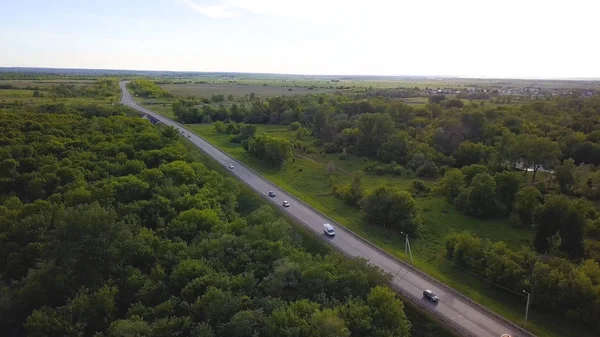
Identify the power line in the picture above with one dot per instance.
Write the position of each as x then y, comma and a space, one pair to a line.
484, 279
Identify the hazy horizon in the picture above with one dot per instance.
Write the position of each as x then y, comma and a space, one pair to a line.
41, 69
462, 38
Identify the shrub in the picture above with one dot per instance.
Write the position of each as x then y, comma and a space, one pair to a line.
429, 169
420, 187
331, 148
526, 202
245, 131
301, 133
451, 185
276, 151
398, 170
479, 199
471, 171
388, 207
381, 169
310, 150
220, 127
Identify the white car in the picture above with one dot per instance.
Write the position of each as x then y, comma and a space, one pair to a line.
285, 203
328, 229
231, 166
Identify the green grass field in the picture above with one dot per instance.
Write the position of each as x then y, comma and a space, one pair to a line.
21, 96
208, 89
307, 179
305, 82
26, 96
44, 83
416, 100
161, 107
381, 83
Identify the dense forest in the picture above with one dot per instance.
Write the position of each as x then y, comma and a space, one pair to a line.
535, 163
108, 227
146, 88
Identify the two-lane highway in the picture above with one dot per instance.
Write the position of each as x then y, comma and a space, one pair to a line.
467, 318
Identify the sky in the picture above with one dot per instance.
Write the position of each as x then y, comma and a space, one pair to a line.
484, 38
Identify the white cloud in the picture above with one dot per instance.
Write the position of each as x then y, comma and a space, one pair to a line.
212, 11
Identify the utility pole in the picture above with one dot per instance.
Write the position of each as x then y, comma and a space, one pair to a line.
407, 248
532, 285
527, 308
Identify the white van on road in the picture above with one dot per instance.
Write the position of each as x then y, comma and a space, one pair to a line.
328, 229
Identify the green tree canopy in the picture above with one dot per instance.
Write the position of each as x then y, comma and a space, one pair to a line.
479, 199
559, 215
451, 184
388, 207
276, 151
527, 201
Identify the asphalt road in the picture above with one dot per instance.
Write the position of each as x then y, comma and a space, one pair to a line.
470, 319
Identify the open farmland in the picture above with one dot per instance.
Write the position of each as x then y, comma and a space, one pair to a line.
298, 82
44, 83
29, 93
208, 89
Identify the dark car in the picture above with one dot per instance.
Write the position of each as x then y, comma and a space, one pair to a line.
431, 296
271, 194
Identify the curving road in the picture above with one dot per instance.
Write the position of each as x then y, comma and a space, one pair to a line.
459, 313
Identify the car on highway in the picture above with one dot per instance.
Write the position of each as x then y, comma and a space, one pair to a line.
431, 296
474, 320
285, 203
189, 136
328, 229
231, 166
271, 194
